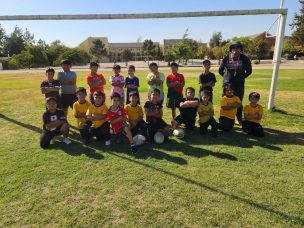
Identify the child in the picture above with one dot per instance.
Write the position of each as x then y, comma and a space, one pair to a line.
67, 79
154, 114
175, 83
229, 105
188, 109
132, 83
156, 81
206, 112
95, 81
50, 87
207, 79
54, 123
135, 115
252, 116
117, 81
97, 113
80, 108
118, 121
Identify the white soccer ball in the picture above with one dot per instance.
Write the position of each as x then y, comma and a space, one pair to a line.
159, 137
139, 140
179, 133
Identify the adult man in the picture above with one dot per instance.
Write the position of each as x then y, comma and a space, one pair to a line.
235, 68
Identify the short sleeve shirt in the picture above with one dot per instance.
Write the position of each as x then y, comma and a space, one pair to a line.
206, 78
189, 112
155, 86
103, 109
175, 78
225, 101
249, 110
134, 113
95, 78
67, 89
204, 108
51, 84
114, 114
81, 108
117, 89
49, 117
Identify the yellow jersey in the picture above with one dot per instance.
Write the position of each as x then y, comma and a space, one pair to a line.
204, 108
93, 110
225, 101
79, 108
249, 110
134, 113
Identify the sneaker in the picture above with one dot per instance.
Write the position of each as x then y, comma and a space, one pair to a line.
52, 141
108, 142
66, 141
245, 133
133, 149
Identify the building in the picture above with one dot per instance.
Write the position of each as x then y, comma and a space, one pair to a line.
270, 39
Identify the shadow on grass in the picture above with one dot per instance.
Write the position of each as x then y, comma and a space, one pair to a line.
260, 206
283, 112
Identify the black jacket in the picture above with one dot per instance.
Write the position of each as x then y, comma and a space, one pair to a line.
235, 72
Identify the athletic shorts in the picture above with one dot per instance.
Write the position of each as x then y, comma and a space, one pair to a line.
67, 100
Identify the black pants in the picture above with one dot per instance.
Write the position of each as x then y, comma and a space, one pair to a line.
47, 136
253, 128
143, 126
154, 126
204, 126
101, 133
238, 91
225, 124
188, 121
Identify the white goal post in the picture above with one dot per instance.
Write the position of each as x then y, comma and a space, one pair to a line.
279, 36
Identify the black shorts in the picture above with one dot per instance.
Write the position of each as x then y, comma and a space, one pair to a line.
159, 124
174, 101
188, 121
67, 100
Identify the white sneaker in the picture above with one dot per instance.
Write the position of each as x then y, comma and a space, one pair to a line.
66, 141
52, 141
245, 133
108, 142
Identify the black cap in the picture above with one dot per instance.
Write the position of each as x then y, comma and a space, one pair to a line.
236, 44
66, 61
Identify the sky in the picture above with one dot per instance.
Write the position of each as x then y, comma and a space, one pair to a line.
74, 32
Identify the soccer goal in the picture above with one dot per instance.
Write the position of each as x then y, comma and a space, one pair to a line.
279, 36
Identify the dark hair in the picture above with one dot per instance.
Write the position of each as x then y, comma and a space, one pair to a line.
254, 95
50, 99
132, 67
66, 61
156, 91
81, 90
115, 95
99, 94
116, 67
134, 93
153, 64
206, 61
94, 64
173, 64
227, 86
50, 70
190, 88
206, 91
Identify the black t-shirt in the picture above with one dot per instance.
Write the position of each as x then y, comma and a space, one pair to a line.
51, 84
152, 107
49, 117
206, 78
189, 112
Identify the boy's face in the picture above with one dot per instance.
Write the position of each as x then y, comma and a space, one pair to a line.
174, 69
81, 96
98, 100
94, 69
134, 100
189, 93
154, 69
236, 51
50, 75
205, 97
116, 72
51, 105
131, 72
66, 67
154, 97
253, 100
115, 102
229, 92
207, 66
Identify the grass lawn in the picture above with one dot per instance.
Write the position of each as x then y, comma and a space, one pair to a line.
234, 180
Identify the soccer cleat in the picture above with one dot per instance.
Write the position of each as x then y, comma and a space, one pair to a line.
133, 149
66, 141
108, 142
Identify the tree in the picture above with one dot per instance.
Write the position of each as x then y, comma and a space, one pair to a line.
298, 24
218, 52
14, 43
54, 51
185, 49
22, 60
289, 47
148, 49
40, 58
28, 38
260, 48
204, 52
75, 55
159, 54
216, 40
169, 57
98, 50
126, 56
2, 38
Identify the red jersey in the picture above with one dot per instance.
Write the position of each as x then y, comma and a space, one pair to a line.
95, 78
114, 114
176, 78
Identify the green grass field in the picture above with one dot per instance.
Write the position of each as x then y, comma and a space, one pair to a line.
234, 180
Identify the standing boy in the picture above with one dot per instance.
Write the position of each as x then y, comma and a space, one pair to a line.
132, 83
95, 80
51, 87
156, 81
67, 79
207, 79
117, 81
175, 83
